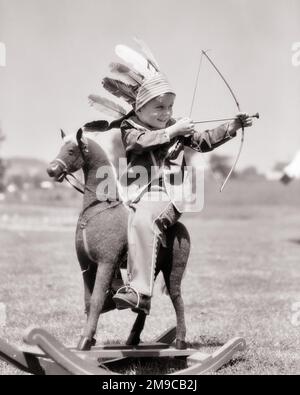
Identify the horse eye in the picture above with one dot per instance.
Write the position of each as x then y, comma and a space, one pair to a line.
71, 151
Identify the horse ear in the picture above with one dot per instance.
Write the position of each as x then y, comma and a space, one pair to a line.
82, 141
62, 133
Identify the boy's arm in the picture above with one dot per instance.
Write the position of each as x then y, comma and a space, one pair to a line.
210, 139
140, 140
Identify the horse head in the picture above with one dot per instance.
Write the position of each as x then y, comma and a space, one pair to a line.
71, 156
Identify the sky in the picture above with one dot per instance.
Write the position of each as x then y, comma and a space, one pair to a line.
57, 52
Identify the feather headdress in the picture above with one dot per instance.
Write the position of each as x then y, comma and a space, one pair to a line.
137, 82
140, 78
133, 74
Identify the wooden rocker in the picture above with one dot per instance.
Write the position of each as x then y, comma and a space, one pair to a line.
45, 355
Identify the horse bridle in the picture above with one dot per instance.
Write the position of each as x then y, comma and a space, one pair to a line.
66, 173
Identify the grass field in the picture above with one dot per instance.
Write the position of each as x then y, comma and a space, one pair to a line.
243, 277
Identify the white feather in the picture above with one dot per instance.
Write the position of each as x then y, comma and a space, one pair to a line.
124, 77
106, 106
147, 52
136, 60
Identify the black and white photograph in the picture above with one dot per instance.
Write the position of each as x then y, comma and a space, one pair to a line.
149, 190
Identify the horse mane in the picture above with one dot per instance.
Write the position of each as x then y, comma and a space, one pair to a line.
95, 149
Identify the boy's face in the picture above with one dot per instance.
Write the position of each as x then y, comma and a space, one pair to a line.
157, 112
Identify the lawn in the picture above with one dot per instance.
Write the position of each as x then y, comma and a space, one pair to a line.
242, 279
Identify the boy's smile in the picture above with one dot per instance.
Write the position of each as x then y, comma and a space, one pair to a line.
157, 112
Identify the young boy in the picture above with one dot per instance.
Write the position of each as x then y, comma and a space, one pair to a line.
153, 139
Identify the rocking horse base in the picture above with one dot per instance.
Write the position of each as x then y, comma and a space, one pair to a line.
45, 355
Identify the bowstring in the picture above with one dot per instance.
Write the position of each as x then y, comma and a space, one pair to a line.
205, 162
238, 106
196, 85
178, 143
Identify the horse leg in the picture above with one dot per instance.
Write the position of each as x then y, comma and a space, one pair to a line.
89, 276
174, 288
178, 252
138, 326
102, 282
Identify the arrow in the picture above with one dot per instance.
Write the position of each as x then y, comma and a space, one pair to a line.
225, 119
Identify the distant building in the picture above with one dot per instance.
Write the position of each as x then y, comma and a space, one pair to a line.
292, 170
2, 54
46, 185
2, 165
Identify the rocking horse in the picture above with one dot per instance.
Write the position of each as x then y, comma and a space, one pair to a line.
101, 240
101, 244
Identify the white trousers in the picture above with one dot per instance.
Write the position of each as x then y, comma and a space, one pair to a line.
148, 220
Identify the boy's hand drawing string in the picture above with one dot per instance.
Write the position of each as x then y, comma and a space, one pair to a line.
236, 102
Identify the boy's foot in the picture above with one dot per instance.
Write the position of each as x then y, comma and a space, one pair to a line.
132, 300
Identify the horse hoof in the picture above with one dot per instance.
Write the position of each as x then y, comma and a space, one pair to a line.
180, 345
85, 343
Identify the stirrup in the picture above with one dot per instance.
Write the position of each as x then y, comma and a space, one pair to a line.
127, 287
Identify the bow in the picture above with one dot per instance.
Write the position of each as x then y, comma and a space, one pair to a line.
236, 102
